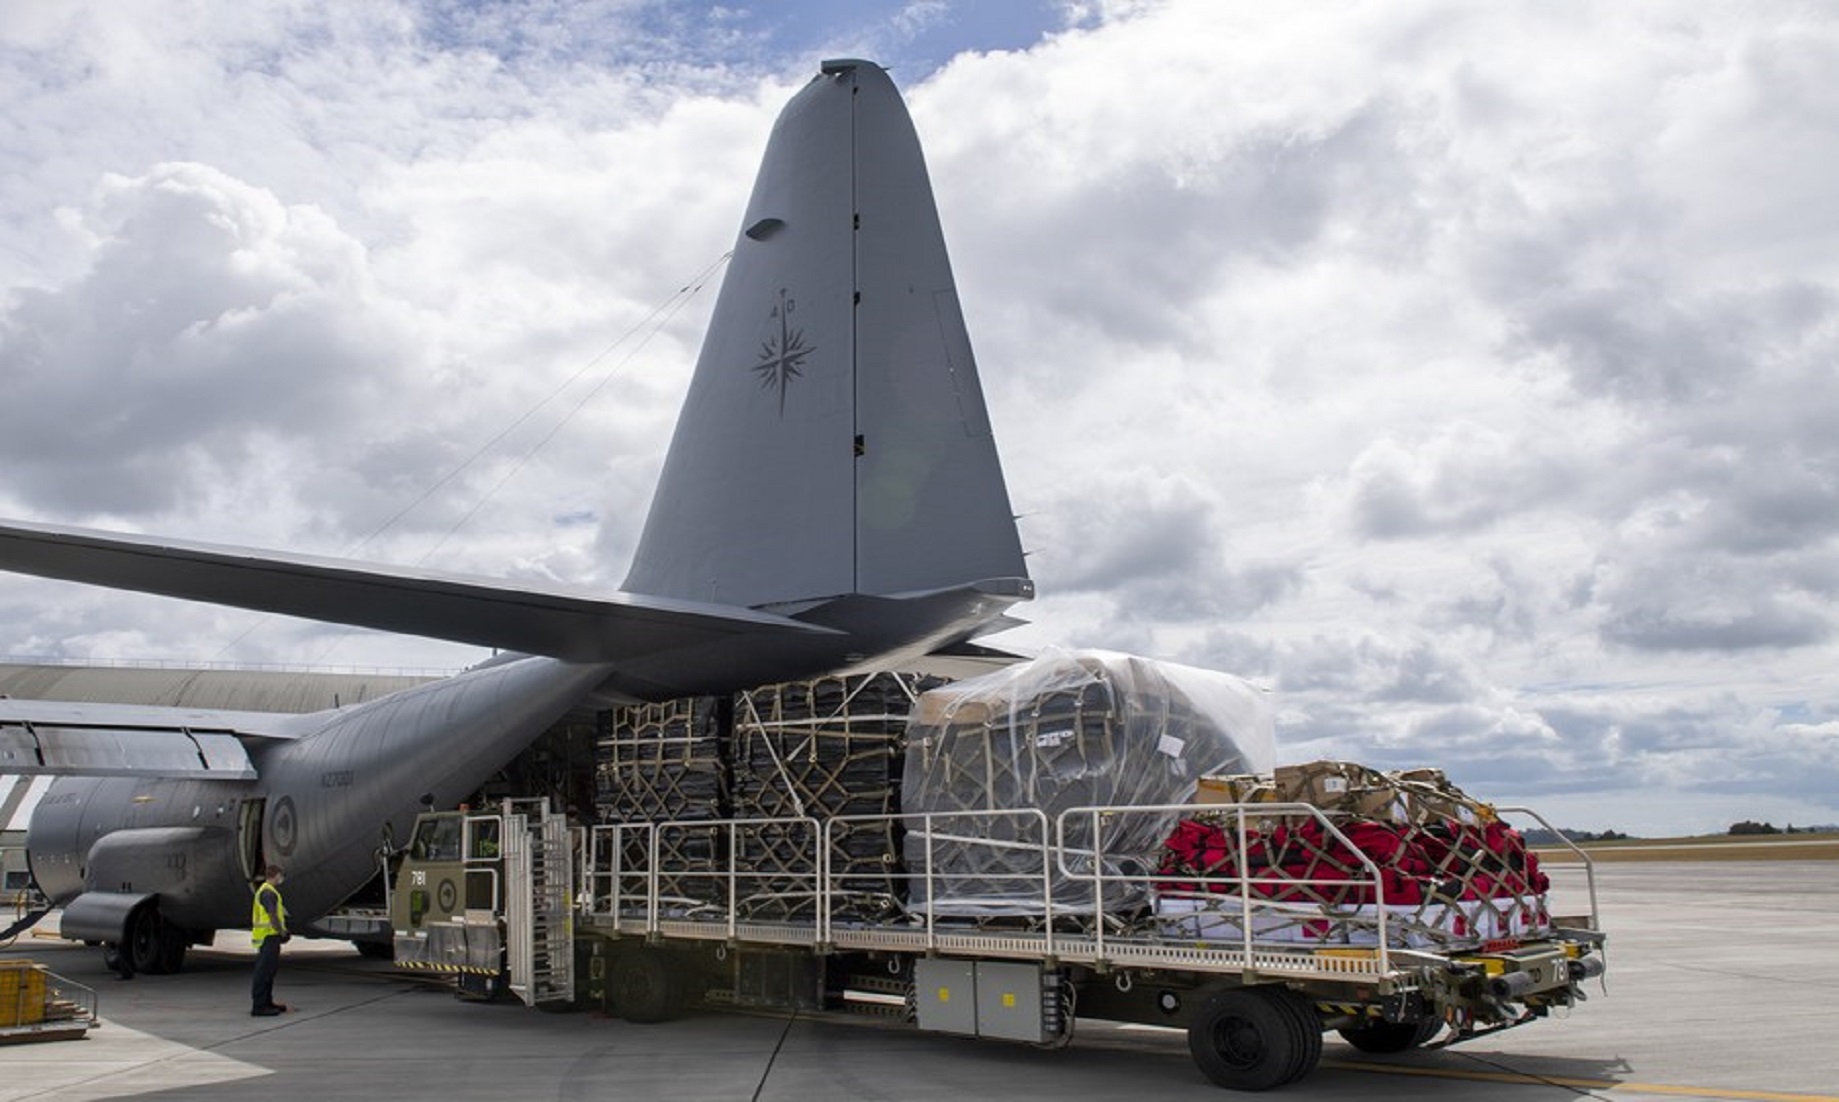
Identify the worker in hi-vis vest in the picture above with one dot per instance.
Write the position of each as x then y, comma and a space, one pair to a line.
268, 929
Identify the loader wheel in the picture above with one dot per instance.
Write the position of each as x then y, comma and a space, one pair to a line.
475, 987
642, 986
1308, 1025
1252, 1038
1383, 1038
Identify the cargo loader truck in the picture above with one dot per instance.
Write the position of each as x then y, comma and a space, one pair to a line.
1271, 908
1238, 970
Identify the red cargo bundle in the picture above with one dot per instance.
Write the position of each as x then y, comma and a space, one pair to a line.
1437, 876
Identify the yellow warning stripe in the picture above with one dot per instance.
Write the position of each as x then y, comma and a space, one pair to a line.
435, 966
1581, 1084
1348, 954
1359, 1010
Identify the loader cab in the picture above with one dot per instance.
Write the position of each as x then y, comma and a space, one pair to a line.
452, 871
484, 898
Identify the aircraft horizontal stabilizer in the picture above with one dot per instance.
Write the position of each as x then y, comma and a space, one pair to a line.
571, 625
124, 740
60, 713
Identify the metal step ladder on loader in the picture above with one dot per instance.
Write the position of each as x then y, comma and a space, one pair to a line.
539, 880
488, 900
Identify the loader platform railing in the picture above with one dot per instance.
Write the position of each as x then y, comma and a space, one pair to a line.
1009, 883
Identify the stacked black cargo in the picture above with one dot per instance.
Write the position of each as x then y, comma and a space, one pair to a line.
829, 750
996, 762
667, 763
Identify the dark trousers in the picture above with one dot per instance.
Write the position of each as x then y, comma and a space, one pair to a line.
121, 958
267, 963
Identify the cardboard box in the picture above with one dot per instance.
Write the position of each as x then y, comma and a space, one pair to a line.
22, 993
1242, 789
1348, 788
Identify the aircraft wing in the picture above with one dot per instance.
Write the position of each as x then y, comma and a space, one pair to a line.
124, 740
573, 625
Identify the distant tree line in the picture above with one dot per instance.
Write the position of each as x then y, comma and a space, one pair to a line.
1543, 837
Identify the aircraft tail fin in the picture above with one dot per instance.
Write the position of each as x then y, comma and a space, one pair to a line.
834, 440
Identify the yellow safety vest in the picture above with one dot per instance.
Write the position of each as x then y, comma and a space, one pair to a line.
261, 928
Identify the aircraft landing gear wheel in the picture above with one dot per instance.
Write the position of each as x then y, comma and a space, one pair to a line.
1381, 1038
144, 940
172, 948
642, 986
1254, 1038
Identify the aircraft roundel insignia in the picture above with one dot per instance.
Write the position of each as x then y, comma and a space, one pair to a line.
281, 826
447, 895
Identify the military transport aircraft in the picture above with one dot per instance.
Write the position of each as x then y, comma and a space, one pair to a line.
831, 499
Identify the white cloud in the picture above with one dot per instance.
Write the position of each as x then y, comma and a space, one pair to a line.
212, 322
1463, 373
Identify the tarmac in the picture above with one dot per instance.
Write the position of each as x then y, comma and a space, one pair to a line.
1718, 982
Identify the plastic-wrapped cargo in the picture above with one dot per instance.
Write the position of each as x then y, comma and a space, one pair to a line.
1069, 729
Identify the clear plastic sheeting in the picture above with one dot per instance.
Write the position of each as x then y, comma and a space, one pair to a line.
1070, 729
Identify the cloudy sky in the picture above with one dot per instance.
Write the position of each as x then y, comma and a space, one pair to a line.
1463, 373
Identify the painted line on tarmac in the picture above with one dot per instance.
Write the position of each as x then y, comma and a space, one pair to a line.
1581, 1084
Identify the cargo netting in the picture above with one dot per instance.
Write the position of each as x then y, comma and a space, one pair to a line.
1443, 866
827, 749
736, 778
1071, 729
667, 762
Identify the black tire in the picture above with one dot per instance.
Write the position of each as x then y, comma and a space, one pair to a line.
1308, 1026
1248, 1039
144, 940
473, 987
173, 943
376, 950
642, 986
1384, 1038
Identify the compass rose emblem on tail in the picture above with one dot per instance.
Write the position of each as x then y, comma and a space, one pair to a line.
782, 354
